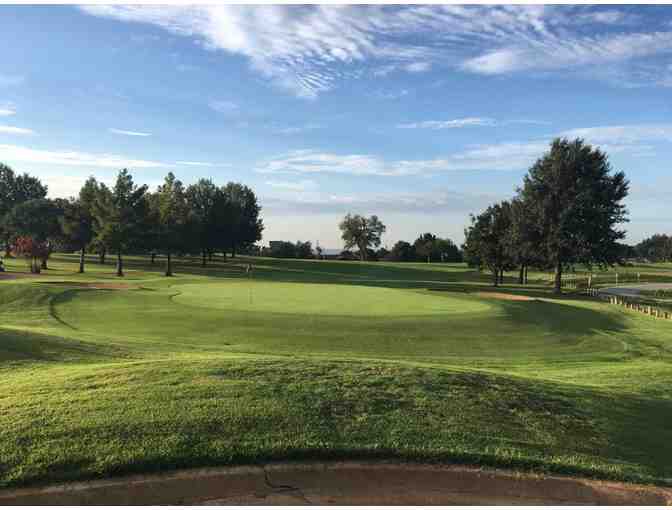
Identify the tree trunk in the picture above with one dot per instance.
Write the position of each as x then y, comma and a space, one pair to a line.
44, 263
210, 255
558, 278
525, 274
120, 264
169, 266
101, 256
8, 248
501, 276
81, 260
233, 251
153, 258
495, 277
203, 260
521, 275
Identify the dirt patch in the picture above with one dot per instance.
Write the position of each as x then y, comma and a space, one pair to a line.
95, 285
342, 483
504, 296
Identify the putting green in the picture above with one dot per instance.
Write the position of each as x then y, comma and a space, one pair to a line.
324, 299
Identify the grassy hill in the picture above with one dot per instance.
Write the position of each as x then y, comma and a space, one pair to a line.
320, 360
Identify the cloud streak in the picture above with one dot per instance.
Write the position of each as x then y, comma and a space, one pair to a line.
73, 158
128, 133
505, 156
13, 130
449, 124
309, 49
7, 111
635, 140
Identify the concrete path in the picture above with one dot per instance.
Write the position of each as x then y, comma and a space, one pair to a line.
633, 290
341, 483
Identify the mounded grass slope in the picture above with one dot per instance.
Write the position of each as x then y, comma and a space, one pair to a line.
322, 360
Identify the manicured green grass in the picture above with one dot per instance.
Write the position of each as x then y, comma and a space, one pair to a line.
320, 360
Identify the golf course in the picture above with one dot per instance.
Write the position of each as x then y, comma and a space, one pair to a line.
302, 360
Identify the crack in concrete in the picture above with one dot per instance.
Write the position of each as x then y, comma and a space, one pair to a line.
284, 488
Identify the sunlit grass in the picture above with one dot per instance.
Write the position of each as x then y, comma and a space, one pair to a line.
318, 360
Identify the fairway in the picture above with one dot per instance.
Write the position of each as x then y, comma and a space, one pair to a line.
323, 360
322, 299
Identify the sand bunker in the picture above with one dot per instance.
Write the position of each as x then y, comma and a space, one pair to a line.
504, 296
341, 483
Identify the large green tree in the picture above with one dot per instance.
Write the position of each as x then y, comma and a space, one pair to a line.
14, 190
169, 207
363, 233
577, 204
244, 223
207, 208
486, 240
120, 214
523, 238
78, 221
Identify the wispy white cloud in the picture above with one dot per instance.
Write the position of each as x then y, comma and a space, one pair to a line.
7, 110
430, 202
295, 130
74, 158
607, 17
467, 122
390, 94
310, 161
635, 140
201, 163
556, 52
309, 49
504, 156
449, 124
627, 134
303, 185
13, 130
418, 67
128, 133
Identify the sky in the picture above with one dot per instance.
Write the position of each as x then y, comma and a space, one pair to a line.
421, 114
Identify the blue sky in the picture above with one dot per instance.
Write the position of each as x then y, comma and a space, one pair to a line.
420, 114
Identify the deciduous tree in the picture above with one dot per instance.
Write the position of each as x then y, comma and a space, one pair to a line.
363, 233
15, 189
577, 203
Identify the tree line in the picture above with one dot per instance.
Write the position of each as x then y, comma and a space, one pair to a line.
426, 248
657, 248
565, 213
365, 234
199, 219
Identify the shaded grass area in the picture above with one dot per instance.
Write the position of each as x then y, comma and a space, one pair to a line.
100, 420
323, 360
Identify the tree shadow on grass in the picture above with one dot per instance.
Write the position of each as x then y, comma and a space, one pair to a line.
25, 346
560, 318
